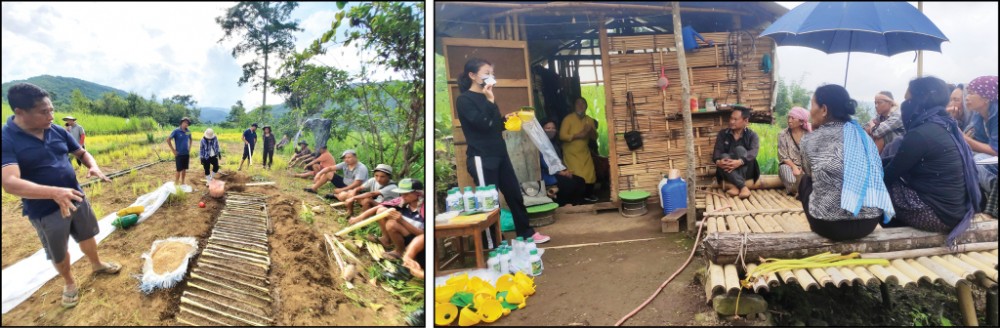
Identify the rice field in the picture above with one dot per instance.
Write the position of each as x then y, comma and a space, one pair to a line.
100, 124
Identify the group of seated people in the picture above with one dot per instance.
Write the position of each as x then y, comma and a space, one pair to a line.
912, 165
574, 140
403, 230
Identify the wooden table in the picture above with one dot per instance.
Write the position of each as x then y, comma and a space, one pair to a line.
468, 229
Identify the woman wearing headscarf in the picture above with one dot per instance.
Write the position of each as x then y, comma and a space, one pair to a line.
981, 97
789, 149
842, 164
932, 179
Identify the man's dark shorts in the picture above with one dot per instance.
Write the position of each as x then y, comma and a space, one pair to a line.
247, 150
182, 162
54, 230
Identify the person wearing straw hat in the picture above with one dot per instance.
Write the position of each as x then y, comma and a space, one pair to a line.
377, 189
408, 220
302, 154
76, 131
210, 154
49, 190
181, 137
249, 141
355, 173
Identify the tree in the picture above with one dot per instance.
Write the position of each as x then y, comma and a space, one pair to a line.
265, 31
79, 102
863, 113
395, 32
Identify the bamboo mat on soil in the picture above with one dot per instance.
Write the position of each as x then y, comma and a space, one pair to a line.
768, 211
229, 284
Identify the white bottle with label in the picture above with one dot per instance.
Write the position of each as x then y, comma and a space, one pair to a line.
470, 200
481, 198
536, 263
494, 262
496, 196
454, 200
504, 261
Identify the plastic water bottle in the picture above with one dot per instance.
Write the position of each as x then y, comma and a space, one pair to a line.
536, 263
494, 262
470, 200
504, 262
518, 254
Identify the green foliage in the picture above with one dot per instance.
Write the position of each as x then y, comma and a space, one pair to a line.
264, 30
595, 109
306, 214
178, 197
767, 157
863, 113
790, 95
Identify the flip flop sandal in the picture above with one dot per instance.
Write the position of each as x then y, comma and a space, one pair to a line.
309, 190
70, 300
110, 268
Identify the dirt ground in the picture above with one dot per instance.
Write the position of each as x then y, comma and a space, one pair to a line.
592, 285
305, 291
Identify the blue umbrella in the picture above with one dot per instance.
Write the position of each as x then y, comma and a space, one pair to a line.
884, 28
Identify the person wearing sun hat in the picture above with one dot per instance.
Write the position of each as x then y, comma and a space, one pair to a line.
302, 154
981, 98
377, 189
210, 154
76, 131
408, 220
180, 142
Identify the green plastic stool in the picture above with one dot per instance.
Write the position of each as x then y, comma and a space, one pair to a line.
542, 215
633, 203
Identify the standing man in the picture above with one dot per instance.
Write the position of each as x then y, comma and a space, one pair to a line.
179, 142
249, 141
736, 154
76, 131
34, 169
576, 131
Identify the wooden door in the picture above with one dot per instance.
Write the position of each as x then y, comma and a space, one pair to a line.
513, 90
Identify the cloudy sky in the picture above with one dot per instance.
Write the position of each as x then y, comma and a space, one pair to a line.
972, 52
161, 48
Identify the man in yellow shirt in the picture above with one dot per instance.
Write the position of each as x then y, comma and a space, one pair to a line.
576, 130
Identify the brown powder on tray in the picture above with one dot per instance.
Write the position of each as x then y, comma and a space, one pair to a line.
169, 256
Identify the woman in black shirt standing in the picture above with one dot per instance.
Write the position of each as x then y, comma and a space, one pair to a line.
483, 127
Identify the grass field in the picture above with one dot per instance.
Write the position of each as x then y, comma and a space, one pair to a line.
100, 124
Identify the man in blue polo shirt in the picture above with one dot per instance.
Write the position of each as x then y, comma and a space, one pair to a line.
181, 137
35, 168
249, 141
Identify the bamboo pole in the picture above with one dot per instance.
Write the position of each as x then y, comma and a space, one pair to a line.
688, 135
185, 300
913, 253
852, 278
732, 279
865, 275
364, 223
966, 304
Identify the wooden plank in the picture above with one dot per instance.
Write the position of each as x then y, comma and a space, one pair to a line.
609, 111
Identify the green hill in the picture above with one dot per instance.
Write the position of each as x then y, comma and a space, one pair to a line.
60, 88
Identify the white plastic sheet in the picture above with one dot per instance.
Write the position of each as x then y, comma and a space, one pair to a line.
152, 280
541, 141
24, 278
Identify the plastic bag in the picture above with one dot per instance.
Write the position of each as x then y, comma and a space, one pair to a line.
152, 280
541, 141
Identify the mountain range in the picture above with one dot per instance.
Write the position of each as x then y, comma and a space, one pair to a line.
60, 88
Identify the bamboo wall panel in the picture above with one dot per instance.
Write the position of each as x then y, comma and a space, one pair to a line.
634, 65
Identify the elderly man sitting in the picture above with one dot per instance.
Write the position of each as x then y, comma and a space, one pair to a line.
374, 191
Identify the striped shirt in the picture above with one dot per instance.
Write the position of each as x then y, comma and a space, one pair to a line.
823, 159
